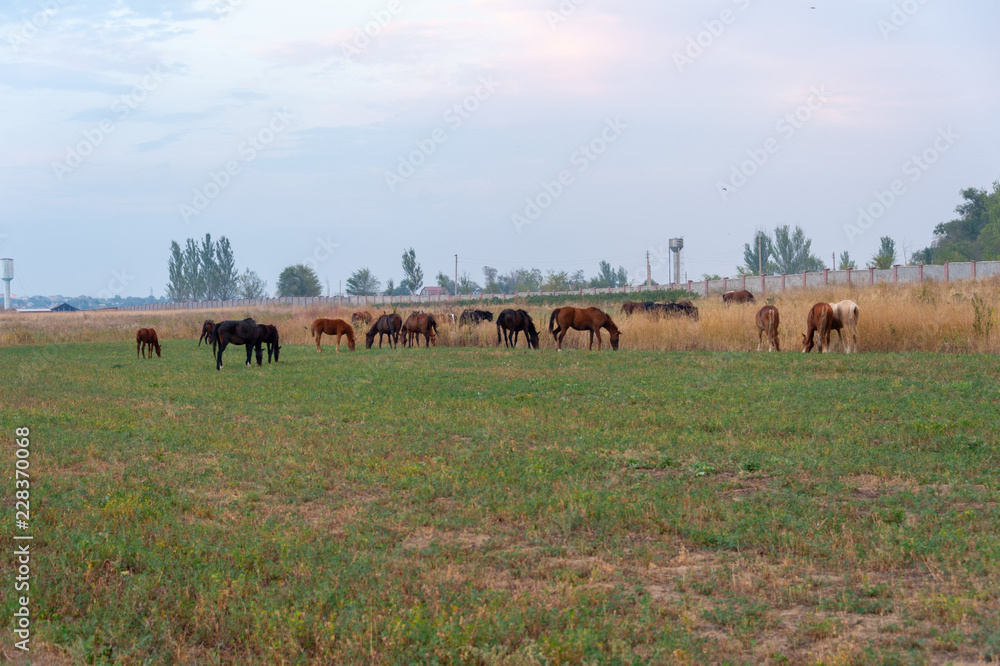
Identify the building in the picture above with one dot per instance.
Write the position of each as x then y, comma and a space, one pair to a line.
65, 307
434, 291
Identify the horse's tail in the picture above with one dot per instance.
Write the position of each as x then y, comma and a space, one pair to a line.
498, 330
552, 319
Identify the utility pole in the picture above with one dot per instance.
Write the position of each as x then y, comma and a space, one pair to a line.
456, 276
760, 259
833, 260
649, 273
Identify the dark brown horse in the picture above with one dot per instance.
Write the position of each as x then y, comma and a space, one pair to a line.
513, 322
820, 320
582, 319
472, 317
674, 310
767, 323
146, 339
361, 317
417, 324
206, 331
336, 327
741, 296
233, 332
630, 308
387, 324
269, 337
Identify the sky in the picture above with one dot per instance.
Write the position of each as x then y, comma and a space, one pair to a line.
550, 134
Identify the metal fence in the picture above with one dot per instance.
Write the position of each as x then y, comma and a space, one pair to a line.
953, 271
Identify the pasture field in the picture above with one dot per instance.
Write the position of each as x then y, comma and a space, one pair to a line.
489, 506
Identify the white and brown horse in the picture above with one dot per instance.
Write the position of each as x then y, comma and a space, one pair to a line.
845, 316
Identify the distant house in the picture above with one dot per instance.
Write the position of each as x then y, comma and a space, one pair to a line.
434, 291
65, 307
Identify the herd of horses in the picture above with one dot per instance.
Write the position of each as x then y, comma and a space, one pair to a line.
823, 319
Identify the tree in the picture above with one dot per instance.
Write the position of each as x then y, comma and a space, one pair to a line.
446, 283
753, 261
608, 277
299, 280
791, 251
846, 262
249, 285
521, 279
466, 285
975, 234
208, 269
413, 275
177, 288
193, 276
492, 286
711, 276
225, 278
363, 283
556, 281
886, 255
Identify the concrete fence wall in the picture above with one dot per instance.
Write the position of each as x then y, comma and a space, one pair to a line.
758, 284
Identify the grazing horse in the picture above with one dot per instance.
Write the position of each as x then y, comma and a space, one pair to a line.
629, 308
742, 296
512, 322
331, 327
767, 322
475, 317
417, 324
845, 315
206, 331
145, 339
582, 319
675, 309
387, 324
269, 336
444, 317
820, 320
361, 317
233, 332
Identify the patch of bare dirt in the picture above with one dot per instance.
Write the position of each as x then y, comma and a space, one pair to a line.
465, 539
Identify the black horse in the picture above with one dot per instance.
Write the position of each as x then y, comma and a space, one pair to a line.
233, 332
475, 317
387, 324
675, 309
269, 336
512, 322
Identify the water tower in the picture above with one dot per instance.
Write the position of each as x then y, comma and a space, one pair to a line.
676, 245
7, 276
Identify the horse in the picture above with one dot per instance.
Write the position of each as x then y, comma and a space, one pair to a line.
269, 336
233, 332
206, 331
387, 324
361, 317
512, 322
145, 339
675, 309
845, 315
444, 316
767, 322
417, 324
582, 319
742, 296
629, 308
336, 327
472, 317
820, 320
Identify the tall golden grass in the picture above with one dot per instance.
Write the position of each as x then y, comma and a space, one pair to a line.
932, 317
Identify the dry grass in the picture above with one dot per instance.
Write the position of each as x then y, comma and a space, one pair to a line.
933, 317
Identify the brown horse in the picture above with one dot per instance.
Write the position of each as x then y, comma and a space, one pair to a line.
629, 308
361, 317
206, 331
387, 324
336, 327
820, 320
582, 319
417, 324
146, 339
742, 296
767, 322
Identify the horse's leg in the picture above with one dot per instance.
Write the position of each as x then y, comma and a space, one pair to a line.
598, 333
218, 358
559, 340
591, 346
338, 342
319, 334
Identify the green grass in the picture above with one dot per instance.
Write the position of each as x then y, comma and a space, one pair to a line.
490, 506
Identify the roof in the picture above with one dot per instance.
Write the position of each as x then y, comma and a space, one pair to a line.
65, 307
34, 310
433, 291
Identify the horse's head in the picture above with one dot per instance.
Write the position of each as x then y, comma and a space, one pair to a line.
807, 343
156, 346
613, 335
369, 339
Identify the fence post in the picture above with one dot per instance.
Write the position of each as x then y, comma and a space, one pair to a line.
848, 276
725, 284
895, 274
706, 287
946, 270
743, 283
871, 275
805, 279
689, 285
782, 282
826, 276
762, 283
973, 269
920, 272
